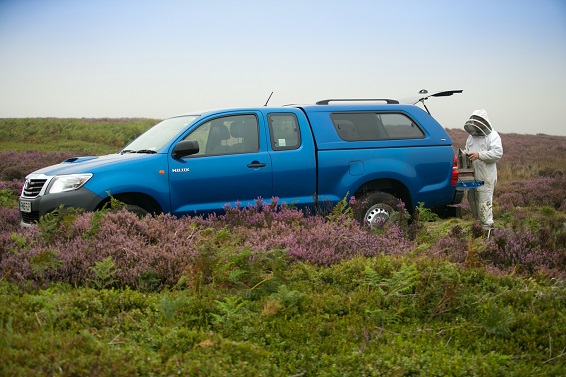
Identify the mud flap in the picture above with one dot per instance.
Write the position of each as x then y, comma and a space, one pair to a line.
453, 210
447, 211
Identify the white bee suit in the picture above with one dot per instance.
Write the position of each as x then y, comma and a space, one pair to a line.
487, 142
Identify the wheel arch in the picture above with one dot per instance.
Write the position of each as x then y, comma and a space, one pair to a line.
142, 200
390, 186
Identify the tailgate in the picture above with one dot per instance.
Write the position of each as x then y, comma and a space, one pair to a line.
469, 184
466, 179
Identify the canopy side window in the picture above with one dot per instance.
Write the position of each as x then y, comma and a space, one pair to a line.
370, 126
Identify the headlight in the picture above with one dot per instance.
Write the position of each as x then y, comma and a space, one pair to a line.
69, 182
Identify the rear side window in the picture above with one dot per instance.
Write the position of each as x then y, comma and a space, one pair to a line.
284, 131
375, 126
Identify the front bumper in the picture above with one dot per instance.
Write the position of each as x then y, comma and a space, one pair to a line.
31, 209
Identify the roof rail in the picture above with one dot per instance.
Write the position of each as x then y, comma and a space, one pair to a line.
327, 101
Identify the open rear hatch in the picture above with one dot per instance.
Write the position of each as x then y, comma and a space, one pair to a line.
425, 94
466, 178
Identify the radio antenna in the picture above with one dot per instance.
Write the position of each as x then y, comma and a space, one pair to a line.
268, 99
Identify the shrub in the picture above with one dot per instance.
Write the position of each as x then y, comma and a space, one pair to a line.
453, 247
310, 238
156, 251
524, 252
137, 247
534, 192
16, 165
9, 220
11, 189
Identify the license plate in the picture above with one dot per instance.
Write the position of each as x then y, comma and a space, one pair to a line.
25, 206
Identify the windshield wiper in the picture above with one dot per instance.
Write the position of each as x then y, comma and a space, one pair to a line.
148, 151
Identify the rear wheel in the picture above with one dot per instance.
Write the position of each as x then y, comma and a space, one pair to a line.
377, 208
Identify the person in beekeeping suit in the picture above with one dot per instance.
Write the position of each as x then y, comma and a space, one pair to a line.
484, 149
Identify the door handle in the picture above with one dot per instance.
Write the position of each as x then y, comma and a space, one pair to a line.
256, 164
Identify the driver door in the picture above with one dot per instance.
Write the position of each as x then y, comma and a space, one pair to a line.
232, 166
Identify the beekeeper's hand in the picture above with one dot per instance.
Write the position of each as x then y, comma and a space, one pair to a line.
474, 156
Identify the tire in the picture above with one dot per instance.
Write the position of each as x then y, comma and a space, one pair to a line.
377, 208
137, 210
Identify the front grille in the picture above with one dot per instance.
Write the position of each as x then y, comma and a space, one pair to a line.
30, 217
33, 187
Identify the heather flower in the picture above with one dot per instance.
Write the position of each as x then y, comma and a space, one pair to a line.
522, 249
536, 192
312, 239
453, 247
9, 220
16, 165
14, 186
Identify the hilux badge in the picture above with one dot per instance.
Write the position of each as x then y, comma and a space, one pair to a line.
181, 170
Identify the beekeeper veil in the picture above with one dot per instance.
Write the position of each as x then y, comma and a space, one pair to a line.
478, 124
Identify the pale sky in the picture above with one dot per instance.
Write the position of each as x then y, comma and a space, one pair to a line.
142, 58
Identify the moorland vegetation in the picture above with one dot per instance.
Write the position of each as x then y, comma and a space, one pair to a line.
267, 290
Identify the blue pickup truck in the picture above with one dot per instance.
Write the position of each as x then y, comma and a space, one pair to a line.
379, 151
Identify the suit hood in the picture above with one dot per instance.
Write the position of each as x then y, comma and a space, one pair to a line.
478, 124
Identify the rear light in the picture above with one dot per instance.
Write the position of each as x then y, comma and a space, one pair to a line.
454, 178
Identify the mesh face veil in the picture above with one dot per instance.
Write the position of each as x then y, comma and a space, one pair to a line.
477, 126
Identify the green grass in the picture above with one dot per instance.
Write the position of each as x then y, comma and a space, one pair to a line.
89, 136
365, 317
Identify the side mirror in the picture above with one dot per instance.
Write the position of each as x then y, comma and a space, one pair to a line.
185, 148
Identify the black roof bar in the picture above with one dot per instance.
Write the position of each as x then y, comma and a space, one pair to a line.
327, 101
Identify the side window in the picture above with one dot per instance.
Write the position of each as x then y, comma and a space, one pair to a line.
375, 126
399, 126
227, 135
284, 130
200, 135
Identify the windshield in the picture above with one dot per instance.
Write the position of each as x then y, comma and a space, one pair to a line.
157, 136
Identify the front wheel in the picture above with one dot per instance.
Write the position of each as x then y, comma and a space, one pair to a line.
116, 206
137, 210
377, 208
